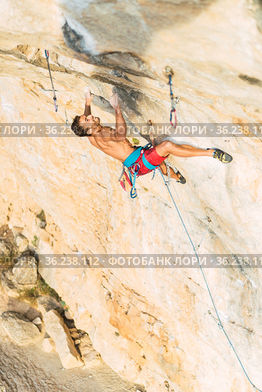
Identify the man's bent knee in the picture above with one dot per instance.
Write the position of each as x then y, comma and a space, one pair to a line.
164, 148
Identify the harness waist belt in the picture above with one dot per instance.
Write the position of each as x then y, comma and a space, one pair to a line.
133, 157
148, 164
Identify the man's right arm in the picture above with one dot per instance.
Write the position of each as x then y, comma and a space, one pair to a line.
88, 100
120, 121
87, 109
120, 124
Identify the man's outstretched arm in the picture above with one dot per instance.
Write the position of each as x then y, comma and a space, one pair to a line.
120, 122
88, 100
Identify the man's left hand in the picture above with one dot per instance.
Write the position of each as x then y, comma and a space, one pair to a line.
88, 96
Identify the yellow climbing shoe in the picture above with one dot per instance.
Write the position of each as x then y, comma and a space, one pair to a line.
221, 155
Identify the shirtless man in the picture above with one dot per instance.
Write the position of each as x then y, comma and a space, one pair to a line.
114, 142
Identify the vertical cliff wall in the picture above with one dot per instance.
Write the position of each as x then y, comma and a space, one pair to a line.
153, 326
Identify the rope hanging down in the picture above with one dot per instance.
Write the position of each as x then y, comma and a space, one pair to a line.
169, 72
52, 84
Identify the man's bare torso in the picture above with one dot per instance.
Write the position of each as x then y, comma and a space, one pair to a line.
106, 140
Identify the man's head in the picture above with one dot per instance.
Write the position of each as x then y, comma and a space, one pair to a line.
83, 125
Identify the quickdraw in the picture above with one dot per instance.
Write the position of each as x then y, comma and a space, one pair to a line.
174, 100
52, 84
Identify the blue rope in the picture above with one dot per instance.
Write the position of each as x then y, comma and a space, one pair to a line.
220, 324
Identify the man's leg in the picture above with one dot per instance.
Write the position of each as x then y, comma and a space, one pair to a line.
177, 176
181, 150
184, 150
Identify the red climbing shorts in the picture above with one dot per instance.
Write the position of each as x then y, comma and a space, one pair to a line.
152, 157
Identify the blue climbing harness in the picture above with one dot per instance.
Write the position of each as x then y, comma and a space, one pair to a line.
133, 166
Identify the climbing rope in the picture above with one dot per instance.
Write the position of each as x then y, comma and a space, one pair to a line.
220, 324
52, 84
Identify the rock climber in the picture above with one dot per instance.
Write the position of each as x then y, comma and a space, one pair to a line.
113, 142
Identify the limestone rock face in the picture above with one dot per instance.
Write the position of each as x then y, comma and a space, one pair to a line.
4, 250
25, 272
46, 303
8, 284
20, 330
48, 345
59, 332
22, 243
91, 357
154, 326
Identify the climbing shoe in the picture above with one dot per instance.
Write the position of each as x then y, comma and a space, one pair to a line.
221, 155
182, 179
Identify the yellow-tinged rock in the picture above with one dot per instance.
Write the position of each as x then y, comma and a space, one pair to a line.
64, 344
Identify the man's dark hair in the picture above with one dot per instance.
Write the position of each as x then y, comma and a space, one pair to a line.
76, 128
